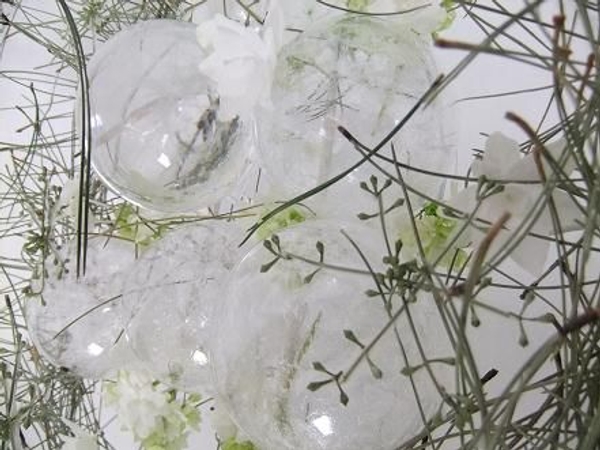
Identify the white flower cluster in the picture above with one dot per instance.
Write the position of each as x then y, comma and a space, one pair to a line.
521, 193
156, 418
239, 57
81, 439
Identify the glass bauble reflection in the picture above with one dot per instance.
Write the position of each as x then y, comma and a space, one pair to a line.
159, 139
287, 322
174, 288
362, 73
78, 323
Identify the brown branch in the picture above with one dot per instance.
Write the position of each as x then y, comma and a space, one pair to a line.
591, 62
538, 146
575, 324
481, 252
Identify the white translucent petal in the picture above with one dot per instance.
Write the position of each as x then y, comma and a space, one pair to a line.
500, 154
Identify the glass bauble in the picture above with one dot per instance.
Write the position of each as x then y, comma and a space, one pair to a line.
78, 323
287, 353
364, 74
158, 137
173, 289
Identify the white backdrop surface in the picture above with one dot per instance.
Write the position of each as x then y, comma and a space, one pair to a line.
496, 340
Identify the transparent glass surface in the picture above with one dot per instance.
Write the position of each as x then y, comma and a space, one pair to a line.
361, 73
173, 291
158, 137
78, 323
288, 325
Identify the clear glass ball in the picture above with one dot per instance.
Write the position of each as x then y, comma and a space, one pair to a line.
287, 353
362, 73
159, 139
173, 290
78, 323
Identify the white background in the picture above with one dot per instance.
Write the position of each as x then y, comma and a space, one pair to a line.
496, 340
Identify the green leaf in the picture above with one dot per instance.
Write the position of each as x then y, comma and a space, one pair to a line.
308, 278
430, 209
285, 219
349, 334
344, 398
266, 267
321, 249
232, 444
267, 244
320, 367
316, 385
408, 371
375, 371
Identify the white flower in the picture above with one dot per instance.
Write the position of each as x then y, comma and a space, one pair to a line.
81, 439
67, 204
502, 162
155, 417
435, 233
139, 404
240, 61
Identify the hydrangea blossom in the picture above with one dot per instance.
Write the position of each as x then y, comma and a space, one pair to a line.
155, 417
435, 233
241, 61
519, 196
81, 439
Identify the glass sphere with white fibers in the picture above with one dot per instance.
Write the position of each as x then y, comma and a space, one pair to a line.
300, 358
364, 74
159, 138
78, 323
174, 289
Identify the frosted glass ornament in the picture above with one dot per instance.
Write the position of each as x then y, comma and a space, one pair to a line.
173, 289
78, 323
286, 322
365, 74
158, 137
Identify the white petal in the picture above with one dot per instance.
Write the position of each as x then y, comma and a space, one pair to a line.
530, 254
82, 439
514, 199
228, 37
527, 169
275, 23
500, 154
240, 63
464, 200
556, 150
571, 216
